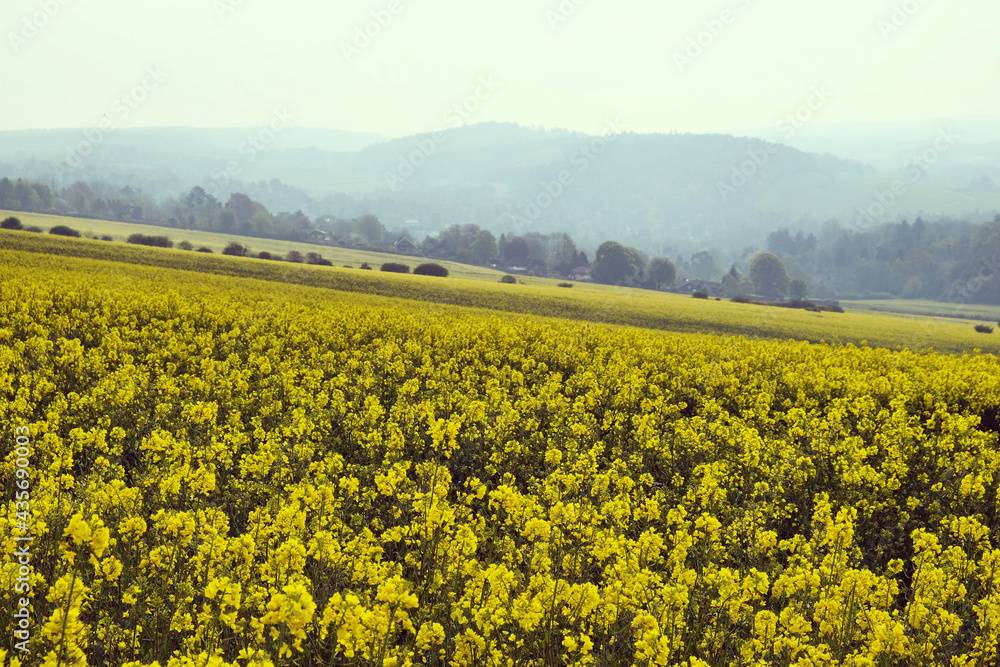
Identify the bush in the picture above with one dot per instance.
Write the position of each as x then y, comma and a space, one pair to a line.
366, 267
11, 223
204, 249
236, 250
185, 245
317, 259
63, 230
700, 295
108, 238
394, 267
431, 270
36, 230
157, 241
740, 299
294, 256
508, 279
564, 285
984, 328
263, 254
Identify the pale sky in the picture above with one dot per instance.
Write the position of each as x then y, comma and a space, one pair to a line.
67, 63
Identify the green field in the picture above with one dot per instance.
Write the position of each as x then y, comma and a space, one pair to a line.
119, 231
965, 311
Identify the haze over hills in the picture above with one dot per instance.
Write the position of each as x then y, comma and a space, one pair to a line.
887, 146
676, 191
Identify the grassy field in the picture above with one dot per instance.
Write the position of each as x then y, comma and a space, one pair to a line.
965, 311
585, 302
119, 231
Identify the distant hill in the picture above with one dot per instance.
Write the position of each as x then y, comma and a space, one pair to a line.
888, 145
659, 192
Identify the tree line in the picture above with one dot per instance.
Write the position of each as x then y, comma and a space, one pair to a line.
945, 260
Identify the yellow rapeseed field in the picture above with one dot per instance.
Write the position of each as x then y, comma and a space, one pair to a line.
203, 471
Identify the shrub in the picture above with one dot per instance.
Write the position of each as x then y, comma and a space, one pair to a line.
236, 250
185, 245
204, 249
263, 254
314, 258
700, 295
157, 241
108, 238
564, 285
508, 279
395, 267
294, 256
36, 230
11, 223
431, 270
366, 267
984, 328
63, 230
740, 299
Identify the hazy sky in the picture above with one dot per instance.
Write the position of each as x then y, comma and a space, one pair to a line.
574, 64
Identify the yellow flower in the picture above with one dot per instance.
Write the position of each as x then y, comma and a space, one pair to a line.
78, 530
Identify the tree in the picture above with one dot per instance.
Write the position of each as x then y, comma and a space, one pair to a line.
703, 265
613, 264
196, 198
431, 270
638, 262
44, 194
11, 223
514, 251
236, 250
395, 267
730, 286
227, 221
797, 289
484, 248
63, 230
243, 207
6, 193
913, 289
370, 228
262, 224
768, 274
25, 196
565, 256
662, 273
